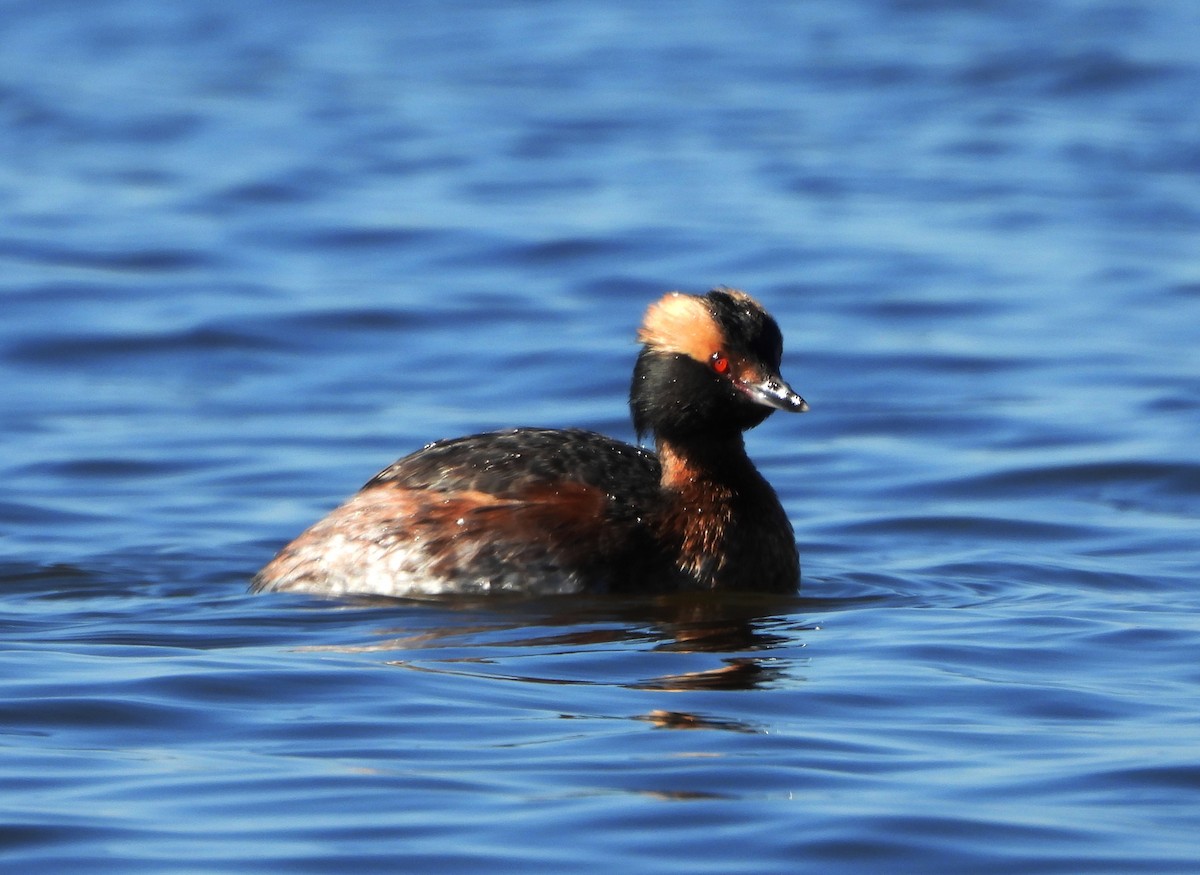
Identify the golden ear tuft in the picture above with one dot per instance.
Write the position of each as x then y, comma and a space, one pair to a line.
680, 323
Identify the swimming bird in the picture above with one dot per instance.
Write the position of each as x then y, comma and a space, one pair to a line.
542, 511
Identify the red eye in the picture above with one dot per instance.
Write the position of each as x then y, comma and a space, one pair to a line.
719, 363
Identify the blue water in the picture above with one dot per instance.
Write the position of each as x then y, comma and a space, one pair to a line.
252, 253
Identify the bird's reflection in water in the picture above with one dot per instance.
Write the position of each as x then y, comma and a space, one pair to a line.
484, 637
662, 719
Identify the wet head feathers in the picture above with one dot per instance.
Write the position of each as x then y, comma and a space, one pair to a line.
743, 318
697, 326
679, 323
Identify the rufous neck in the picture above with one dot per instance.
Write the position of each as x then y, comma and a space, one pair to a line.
698, 461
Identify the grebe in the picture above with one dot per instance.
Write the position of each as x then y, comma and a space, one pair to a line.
543, 511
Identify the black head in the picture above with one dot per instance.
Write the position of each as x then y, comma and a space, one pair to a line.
709, 367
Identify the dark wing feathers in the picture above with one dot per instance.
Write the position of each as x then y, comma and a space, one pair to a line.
507, 464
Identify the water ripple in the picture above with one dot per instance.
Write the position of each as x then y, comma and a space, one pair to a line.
251, 256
